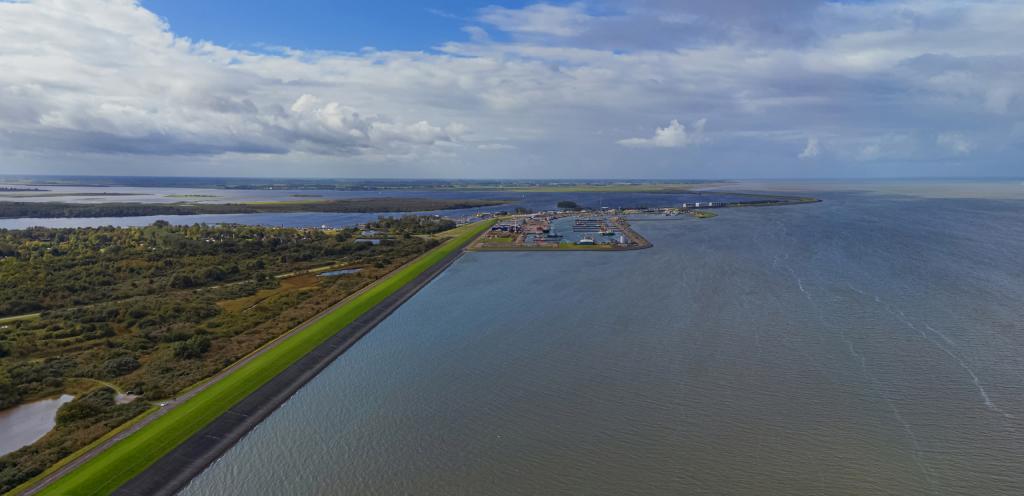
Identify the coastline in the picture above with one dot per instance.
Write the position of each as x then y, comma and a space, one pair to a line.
208, 439
177, 468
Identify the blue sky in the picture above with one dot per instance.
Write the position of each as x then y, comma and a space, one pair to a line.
587, 88
321, 24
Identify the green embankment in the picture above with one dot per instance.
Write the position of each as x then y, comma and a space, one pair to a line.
129, 457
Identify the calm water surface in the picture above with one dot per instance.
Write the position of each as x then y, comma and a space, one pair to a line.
24, 424
870, 344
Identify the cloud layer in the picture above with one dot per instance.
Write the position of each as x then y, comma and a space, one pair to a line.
570, 90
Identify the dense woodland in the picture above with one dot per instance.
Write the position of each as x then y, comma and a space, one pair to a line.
412, 224
153, 310
12, 210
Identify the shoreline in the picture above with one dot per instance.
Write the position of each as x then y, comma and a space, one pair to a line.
201, 447
175, 470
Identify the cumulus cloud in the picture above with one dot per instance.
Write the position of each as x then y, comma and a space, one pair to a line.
109, 77
674, 135
329, 127
811, 149
955, 142
90, 81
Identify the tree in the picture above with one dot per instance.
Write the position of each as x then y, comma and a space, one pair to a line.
568, 205
9, 394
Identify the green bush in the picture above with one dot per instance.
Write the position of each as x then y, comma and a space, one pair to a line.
119, 366
193, 347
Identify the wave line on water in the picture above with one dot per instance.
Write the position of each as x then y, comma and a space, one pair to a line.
974, 377
877, 386
960, 361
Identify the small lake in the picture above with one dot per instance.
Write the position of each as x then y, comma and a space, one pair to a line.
25, 424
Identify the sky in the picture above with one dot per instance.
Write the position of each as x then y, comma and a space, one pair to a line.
659, 89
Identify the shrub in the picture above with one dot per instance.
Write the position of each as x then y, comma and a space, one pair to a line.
119, 366
193, 347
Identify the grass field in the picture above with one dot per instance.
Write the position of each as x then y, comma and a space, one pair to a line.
293, 283
127, 458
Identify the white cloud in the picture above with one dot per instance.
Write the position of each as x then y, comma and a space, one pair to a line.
888, 147
870, 152
955, 142
540, 18
811, 149
495, 146
95, 82
109, 77
674, 135
477, 34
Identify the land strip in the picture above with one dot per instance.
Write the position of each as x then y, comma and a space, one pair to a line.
219, 412
667, 187
13, 210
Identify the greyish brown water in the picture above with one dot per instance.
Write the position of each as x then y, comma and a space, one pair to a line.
24, 424
870, 344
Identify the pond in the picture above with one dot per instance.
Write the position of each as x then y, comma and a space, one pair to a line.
25, 424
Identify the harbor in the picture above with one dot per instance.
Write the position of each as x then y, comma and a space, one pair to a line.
562, 231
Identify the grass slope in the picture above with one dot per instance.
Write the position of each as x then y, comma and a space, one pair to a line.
124, 460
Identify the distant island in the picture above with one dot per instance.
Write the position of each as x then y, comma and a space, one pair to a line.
511, 185
14, 189
13, 210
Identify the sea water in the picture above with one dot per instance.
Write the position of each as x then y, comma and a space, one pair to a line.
869, 344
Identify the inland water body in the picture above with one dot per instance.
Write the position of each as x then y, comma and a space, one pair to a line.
869, 344
26, 423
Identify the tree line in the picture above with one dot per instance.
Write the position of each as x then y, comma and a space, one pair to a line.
13, 210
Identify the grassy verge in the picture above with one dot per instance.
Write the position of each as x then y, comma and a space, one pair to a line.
457, 231
115, 466
701, 214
